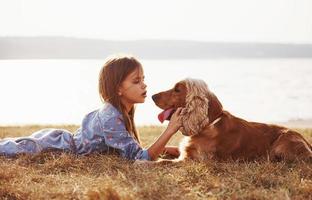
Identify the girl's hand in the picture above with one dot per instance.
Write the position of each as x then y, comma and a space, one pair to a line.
172, 151
176, 121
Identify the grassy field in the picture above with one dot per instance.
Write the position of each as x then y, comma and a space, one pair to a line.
66, 176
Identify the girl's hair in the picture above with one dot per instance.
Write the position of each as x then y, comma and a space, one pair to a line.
112, 74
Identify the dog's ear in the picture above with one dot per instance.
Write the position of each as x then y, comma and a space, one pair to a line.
215, 107
195, 115
202, 107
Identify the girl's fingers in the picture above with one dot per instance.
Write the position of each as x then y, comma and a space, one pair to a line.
178, 111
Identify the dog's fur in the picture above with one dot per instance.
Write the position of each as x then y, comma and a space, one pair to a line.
216, 134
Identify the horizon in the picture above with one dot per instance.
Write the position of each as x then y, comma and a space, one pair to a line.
80, 48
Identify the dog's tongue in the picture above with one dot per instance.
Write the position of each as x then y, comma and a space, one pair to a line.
165, 115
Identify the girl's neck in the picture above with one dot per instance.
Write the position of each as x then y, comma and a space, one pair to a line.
127, 106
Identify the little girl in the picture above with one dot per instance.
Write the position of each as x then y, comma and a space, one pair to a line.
111, 128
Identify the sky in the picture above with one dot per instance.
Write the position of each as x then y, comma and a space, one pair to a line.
286, 21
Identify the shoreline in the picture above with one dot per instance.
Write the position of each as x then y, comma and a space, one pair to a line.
296, 123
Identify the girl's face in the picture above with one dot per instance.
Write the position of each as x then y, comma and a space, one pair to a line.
133, 89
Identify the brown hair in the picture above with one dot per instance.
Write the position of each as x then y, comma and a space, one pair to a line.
112, 74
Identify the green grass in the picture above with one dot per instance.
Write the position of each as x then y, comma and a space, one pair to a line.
65, 176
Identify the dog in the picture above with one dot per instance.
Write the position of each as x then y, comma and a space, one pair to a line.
214, 133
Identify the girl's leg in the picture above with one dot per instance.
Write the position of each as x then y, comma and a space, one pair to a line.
45, 139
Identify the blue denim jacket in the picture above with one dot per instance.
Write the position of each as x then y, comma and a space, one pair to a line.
102, 130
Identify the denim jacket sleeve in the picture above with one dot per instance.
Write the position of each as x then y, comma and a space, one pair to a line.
117, 137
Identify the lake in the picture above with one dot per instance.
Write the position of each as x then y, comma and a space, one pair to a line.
63, 91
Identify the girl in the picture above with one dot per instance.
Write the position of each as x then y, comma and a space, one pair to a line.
111, 128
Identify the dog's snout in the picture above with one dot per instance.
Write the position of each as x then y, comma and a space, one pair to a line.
155, 97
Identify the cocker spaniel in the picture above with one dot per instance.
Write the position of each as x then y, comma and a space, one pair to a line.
214, 133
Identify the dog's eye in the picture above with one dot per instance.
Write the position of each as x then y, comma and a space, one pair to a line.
176, 89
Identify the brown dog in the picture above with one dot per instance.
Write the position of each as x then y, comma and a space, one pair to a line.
216, 134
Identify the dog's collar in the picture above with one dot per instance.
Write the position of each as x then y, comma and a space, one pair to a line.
204, 123
207, 122
215, 121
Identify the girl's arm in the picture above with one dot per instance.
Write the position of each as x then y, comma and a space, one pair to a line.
171, 151
159, 145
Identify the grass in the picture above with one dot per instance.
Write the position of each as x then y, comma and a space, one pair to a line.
56, 175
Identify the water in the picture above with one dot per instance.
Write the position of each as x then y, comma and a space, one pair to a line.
63, 91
